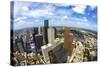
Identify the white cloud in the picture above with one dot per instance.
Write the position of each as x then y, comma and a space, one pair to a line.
65, 17
20, 7
24, 8
19, 19
45, 10
21, 22
48, 10
64, 4
79, 9
49, 7
38, 13
84, 19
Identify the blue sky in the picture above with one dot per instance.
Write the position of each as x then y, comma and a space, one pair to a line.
33, 14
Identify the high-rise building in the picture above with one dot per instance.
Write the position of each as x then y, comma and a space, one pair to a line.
28, 47
39, 30
36, 30
20, 44
51, 35
27, 35
58, 54
68, 39
46, 25
38, 42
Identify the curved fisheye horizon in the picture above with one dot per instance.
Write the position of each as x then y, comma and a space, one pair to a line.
32, 14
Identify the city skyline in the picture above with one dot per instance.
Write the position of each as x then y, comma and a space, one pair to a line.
32, 14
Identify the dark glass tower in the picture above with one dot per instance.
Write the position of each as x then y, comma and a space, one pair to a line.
36, 30
46, 26
38, 42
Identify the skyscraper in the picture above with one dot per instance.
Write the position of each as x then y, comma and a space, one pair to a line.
68, 39
36, 30
20, 44
46, 25
58, 54
38, 42
51, 35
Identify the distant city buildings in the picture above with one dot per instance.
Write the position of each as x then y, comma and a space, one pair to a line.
45, 45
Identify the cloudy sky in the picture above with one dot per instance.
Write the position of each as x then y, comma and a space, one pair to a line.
33, 14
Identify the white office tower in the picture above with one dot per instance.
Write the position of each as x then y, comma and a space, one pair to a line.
51, 35
39, 30
45, 50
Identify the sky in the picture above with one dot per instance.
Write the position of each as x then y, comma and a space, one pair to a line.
33, 14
